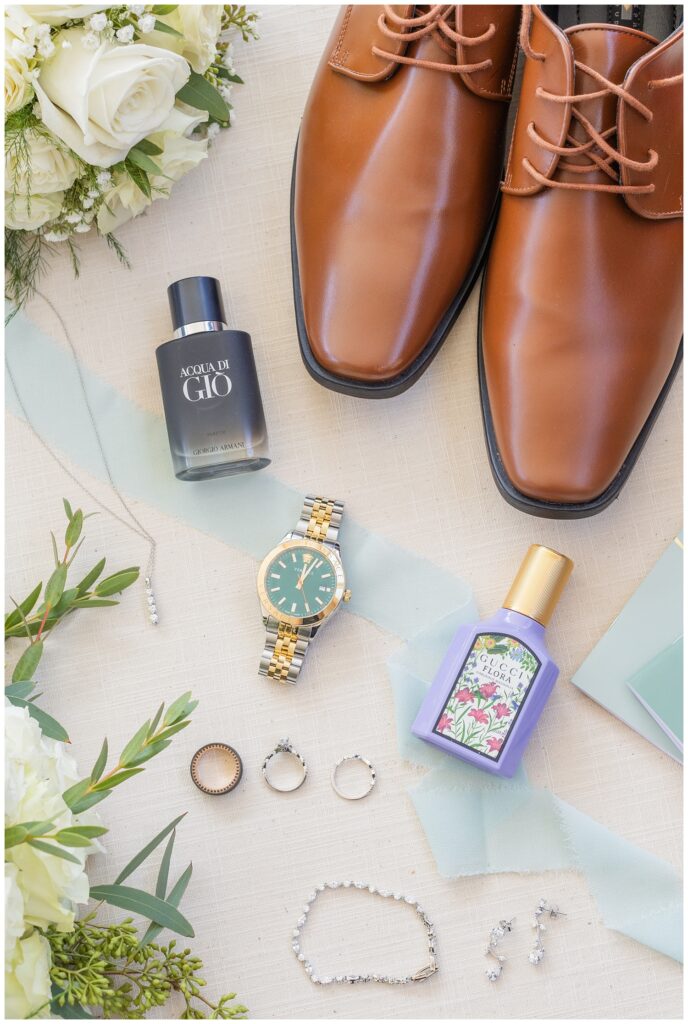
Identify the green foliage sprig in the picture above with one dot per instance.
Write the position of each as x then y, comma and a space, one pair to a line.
59, 600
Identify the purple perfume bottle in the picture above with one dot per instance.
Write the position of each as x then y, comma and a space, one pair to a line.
496, 676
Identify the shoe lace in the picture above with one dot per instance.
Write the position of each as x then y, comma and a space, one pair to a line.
602, 156
435, 22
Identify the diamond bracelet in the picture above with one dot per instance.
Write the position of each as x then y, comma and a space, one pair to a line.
353, 979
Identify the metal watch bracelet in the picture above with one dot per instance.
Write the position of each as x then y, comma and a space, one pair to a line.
285, 644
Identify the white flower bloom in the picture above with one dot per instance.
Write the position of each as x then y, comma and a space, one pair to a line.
49, 168
83, 227
98, 22
37, 772
73, 218
14, 912
125, 34
56, 236
179, 156
103, 179
102, 104
137, 9
146, 23
89, 41
87, 202
213, 130
53, 14
124, 201
27, 978
18, 51
24, 213
66, 45
199, 27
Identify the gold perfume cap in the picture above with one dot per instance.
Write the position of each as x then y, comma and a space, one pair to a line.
539, 583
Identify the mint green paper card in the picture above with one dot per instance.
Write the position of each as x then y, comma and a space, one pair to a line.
650, 622
659, 688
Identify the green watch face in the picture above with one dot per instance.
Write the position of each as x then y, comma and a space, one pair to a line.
300, 581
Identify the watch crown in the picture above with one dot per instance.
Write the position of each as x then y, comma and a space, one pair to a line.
346, 596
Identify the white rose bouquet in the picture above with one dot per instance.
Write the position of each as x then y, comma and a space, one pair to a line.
61, 962
105, 108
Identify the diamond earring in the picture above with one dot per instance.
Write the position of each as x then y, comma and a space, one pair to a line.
537, 953
496, 935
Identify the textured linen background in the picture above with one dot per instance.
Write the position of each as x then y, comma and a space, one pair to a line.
415, 470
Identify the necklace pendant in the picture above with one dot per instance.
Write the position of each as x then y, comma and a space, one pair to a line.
152, 607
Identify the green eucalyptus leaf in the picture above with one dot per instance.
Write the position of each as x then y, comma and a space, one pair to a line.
142, 160
146, 146
135, 744
69, 838
91, 577
75, 552
101, 761
147, 850
55, 585
162, 9
55, 554
67, 508
164, 869
115, 780
175, 898
65, 602
24, 608
89, 800
229, 76
149, 751
72, 795
74, 528
53, 850
140, 902
87, 831
199, 93
156, 720
177, 709
94, 602
118, 582
160, 26
172, 729
20, 689
28, 663
139, 177
14, 835
48, 725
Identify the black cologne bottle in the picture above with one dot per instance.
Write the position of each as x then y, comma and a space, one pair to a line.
210, 391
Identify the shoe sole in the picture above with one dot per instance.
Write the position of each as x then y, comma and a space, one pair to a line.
553, 509
395, 385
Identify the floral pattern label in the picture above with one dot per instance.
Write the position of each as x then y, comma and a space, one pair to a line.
488, 694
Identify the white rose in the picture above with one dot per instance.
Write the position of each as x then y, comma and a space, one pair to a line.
54, 15
43, 168
102, 102
124, 201
199, 25
179, 156
14, 912
27, 979
18, 89
27, 213
37, 772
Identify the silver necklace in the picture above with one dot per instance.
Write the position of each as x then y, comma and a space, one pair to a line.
133, 524
353, 979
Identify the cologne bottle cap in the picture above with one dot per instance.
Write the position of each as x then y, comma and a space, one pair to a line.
196, 305
539, 583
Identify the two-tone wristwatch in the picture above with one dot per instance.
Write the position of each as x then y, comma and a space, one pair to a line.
300, 585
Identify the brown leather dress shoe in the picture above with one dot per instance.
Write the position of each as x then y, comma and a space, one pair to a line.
395, 184
581, 315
